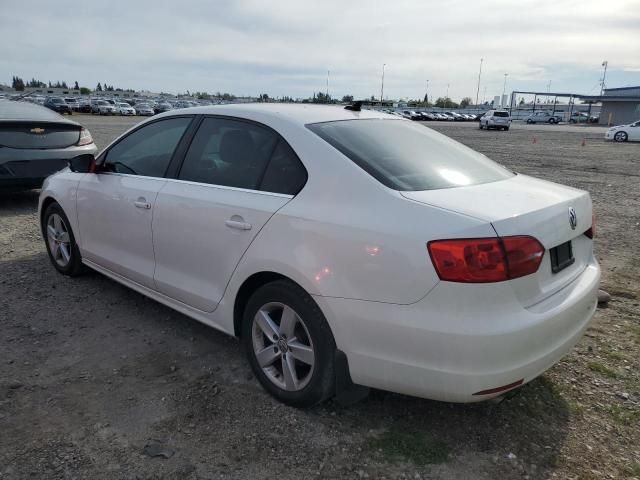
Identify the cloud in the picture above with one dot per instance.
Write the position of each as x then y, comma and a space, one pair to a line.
286, 47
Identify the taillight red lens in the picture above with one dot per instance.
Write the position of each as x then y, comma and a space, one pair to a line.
484, 260
524, 255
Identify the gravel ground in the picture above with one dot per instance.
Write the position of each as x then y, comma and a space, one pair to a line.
95, 378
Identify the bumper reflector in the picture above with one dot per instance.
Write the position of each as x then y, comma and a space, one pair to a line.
500, 389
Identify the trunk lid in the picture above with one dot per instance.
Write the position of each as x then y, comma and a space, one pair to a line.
524, 205
38, 134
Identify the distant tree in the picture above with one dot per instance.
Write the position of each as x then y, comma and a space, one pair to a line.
465, 102
76, 86
445, 102
373, 99
84, 91
521, 101
347, 99
50, 84
98, 87
17, 83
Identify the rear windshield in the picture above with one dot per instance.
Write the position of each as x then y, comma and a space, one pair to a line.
408, 157
500, 114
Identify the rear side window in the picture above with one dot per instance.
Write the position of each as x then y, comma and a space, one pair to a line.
285, 174
228, 152
408, 157
500, 114
240, 154
148, 150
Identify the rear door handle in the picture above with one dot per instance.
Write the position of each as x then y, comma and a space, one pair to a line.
142, 203
239, 225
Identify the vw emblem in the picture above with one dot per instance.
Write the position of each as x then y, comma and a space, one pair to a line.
573, 218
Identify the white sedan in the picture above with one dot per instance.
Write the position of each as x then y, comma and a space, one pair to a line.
125, 109
624, 133
346, 248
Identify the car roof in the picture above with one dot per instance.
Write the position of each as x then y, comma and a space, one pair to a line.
301, 114
21, 111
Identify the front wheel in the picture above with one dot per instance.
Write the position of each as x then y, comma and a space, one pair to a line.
481, 126
506, 129
621, 137
529, 121
61, 244
289, 344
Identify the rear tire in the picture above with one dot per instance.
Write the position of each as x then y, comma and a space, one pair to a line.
529, 121
282, 369
60, 242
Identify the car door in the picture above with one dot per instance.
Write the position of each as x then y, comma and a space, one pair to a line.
231, 182
115, 206
634, 131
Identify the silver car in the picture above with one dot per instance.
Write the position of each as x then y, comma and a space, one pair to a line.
498, 119
36, 142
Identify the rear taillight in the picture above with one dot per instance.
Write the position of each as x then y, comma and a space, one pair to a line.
85, 137
592, 230
484, 260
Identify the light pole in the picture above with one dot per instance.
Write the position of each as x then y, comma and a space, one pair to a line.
382, 85
478, 90
446, 97
426, 95
327, 97
605, 64
504, 88
549, 87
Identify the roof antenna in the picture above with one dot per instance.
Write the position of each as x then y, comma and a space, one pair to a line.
355, 106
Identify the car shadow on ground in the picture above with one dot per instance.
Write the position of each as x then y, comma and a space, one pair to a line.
159, 353
18, 200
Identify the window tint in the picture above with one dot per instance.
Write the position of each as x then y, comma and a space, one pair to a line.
148, 150
405, 156
229, 153
285, 174
501, 114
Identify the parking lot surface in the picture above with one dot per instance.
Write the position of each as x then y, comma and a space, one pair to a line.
96, 381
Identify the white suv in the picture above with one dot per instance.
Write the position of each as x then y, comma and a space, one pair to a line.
499, 119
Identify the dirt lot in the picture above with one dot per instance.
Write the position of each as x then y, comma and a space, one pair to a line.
91, 373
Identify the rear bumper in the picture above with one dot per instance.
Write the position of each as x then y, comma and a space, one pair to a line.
460, 339
28, 168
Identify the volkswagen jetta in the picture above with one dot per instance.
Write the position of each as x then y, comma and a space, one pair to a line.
347, 249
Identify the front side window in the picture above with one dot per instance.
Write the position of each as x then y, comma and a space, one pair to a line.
408, 157
148, 150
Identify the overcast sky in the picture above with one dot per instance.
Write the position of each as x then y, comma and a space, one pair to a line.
285, 47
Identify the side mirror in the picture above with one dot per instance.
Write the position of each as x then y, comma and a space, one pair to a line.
85, 163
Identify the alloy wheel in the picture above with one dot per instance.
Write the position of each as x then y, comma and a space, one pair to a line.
282, 346
59, 240
620, 137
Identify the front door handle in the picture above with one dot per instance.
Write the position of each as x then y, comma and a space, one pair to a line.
142, 203
238, 223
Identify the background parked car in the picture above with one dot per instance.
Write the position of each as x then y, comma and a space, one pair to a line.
144, 110
103, 107
543, 117
624, 133
37, 142
58, 105
162, 107
125, 109
73, 103
498, 119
